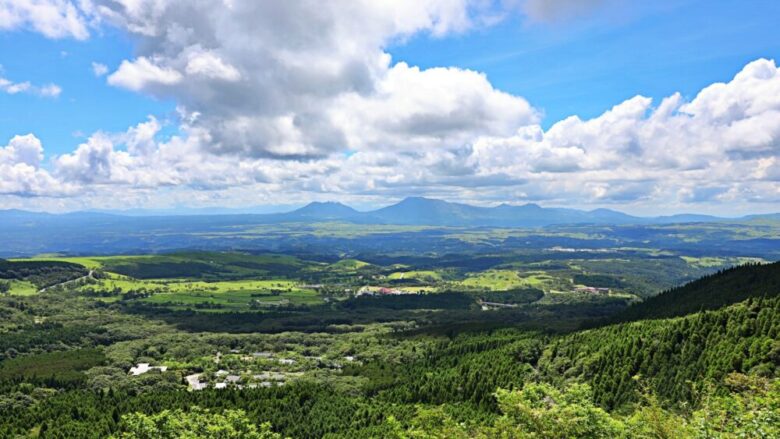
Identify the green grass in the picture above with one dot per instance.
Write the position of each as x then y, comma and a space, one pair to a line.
712, 262
207, 281
422, 275
185, 286
347, 265
502, 280
230, 295
22, 288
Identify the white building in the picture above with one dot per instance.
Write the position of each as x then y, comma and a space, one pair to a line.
143, 368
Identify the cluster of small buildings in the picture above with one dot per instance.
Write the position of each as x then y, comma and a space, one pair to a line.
222, 379
592, 290
225, 379
268, 356
382, 291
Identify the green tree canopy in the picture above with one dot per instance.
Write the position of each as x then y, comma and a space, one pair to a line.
193, 424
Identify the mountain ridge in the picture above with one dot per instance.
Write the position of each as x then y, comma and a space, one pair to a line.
413, 211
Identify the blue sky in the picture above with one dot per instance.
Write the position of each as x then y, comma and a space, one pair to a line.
585, 66
287, 95
87, 104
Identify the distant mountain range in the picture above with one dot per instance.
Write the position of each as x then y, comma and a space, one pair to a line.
432, 212
410, 211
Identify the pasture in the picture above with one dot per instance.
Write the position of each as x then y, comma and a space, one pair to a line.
503, 280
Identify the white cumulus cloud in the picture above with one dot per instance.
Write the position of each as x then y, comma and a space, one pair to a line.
52, 18
12, 88
20, 169
294, 79
143, 73
99, 69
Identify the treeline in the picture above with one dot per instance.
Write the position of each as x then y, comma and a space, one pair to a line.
52, 369
597, 280
41, 273
750, 409
207, 266
411, 301
53, 336
163, 269
516, 296
447, 318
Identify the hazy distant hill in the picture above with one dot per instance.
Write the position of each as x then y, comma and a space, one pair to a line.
425, 211
410, 211
29, 233
323, 211
432, 212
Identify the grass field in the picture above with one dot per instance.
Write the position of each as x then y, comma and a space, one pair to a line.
228, 295
205, 281
348, 265
22, 288
502, 280
707, 262
233, 299
422, 275
191, 286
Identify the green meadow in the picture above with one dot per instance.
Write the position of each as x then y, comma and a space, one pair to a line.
421, 275
502, 280
22, 288
232, 299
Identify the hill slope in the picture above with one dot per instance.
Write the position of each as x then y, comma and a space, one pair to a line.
710, 292
324, 211
672, 356
426, 211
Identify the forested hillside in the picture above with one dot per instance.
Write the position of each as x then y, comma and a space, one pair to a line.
673, 356
41, 273
710, 292
450, 392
